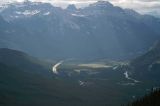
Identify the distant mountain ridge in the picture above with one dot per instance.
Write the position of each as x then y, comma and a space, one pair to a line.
100, 30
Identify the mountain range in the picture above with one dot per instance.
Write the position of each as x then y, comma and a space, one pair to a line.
100, 30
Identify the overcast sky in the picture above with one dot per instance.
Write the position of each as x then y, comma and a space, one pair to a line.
142, 6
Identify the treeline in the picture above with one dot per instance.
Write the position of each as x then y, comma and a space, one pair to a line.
152, 99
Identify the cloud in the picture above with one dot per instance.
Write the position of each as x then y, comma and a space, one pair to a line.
139, 5
142, 6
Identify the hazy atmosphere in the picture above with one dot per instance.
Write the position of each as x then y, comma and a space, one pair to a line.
80, 53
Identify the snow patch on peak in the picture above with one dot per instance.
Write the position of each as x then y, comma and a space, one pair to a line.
47, 13
3, 7
28, 12
78, 15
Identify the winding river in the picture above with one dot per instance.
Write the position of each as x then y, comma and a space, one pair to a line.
54, 69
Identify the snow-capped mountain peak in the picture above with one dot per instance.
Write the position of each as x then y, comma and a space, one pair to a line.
25, 9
